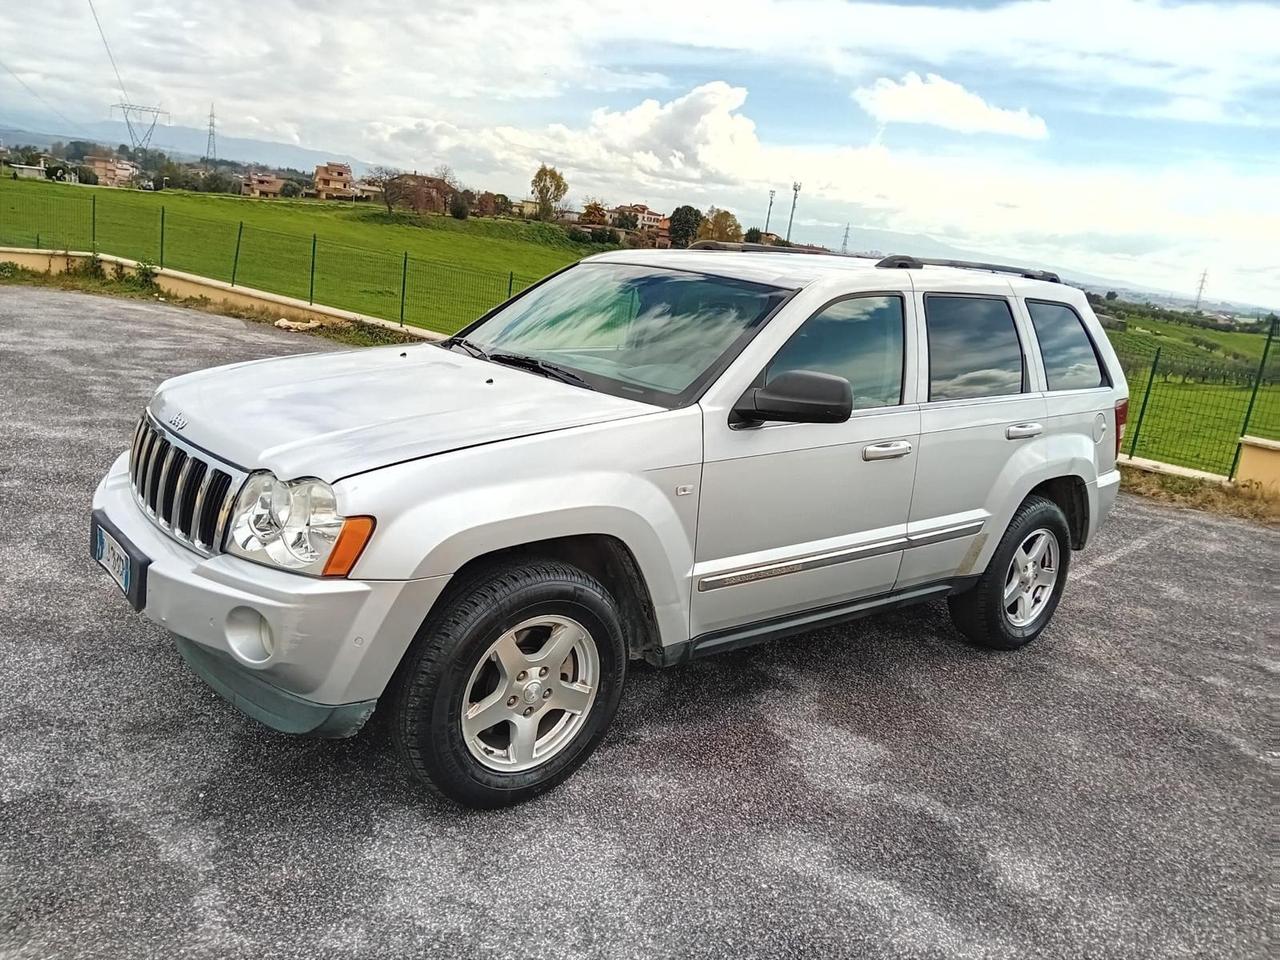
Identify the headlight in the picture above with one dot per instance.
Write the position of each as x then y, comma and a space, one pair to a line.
296, 526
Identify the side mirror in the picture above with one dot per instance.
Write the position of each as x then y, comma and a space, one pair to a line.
798, 396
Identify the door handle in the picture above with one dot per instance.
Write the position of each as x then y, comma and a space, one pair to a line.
1021, 431
886, 451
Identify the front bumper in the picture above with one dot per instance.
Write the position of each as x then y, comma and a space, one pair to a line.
334, 643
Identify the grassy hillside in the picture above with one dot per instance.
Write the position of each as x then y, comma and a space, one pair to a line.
456, 269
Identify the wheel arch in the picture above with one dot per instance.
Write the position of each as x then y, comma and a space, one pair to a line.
605, 557
1071, 494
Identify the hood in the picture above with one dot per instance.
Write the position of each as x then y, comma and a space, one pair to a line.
336, 414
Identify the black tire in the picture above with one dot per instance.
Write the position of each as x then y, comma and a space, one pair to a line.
427, 696
979, 612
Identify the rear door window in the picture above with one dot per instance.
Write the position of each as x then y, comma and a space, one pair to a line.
1070, 361
973, 347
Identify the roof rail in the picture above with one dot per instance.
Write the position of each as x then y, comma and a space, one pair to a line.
753, 247
904, 262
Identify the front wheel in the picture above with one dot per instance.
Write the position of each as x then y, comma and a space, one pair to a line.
1015, 598
512, 684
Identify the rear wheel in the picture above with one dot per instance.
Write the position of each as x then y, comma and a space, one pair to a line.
510, 686
1015, 598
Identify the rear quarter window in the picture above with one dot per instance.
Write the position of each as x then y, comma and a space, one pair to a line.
1070, 359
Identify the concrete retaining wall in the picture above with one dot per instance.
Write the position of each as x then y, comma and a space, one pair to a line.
1259, 463
181, 285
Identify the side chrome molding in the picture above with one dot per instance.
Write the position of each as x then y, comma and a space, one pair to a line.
827, 558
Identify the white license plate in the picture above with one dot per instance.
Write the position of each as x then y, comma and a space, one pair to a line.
113, 558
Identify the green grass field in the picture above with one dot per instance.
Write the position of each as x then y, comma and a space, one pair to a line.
456, 269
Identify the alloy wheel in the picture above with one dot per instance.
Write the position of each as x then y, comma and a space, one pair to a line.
530, 694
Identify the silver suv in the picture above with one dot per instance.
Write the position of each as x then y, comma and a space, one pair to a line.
650, 454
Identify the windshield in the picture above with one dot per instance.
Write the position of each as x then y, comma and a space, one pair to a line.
648, 334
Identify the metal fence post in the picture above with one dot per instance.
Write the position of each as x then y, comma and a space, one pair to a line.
1253, 397
511, 280
1146, 397
161, 236
235, 263
404, 283
311, 290
93, 223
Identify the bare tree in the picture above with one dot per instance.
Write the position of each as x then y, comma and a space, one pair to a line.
390, 180
445, 173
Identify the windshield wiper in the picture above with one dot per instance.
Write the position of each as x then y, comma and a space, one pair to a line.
471, 348
540, 366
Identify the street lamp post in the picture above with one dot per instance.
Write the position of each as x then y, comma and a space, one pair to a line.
770, 213
795, 195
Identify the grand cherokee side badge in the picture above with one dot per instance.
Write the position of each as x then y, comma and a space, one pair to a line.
177, 421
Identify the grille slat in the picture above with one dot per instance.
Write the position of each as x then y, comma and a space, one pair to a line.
170, 480
183, 492
190, 487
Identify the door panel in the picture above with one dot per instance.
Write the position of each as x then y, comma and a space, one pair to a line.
799, 518
969, 440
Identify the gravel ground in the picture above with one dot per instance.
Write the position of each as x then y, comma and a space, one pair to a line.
877, 790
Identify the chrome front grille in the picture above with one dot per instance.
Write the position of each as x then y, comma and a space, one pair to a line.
184, 491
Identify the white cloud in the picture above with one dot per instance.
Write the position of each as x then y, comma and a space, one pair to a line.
1149, 226
938, 102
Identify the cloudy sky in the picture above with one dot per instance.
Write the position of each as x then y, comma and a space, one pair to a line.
1127, 139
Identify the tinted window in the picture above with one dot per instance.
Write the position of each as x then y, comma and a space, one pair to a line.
973, 348
858, 339
1070, 362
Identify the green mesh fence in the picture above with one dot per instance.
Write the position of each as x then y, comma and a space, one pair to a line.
381, 283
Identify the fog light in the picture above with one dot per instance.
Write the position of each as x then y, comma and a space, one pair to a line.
249, 635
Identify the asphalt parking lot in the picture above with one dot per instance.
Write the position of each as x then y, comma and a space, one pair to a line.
876, 790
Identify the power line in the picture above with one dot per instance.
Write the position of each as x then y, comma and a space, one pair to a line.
48, 106
110, 55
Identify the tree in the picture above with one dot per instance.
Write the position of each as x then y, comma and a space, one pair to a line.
720, 225
626, 221
1112, 295
549, 188
445, 172
290, 189
387, 180
593, 212
753, 235
86, 175
458, 207
501, 204
685, 222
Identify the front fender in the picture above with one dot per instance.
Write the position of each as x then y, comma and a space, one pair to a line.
437, 514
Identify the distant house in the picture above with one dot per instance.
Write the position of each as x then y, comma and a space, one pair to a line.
28, 171
645, 218
664, 233
333, 181
111, 171
261, 185
524, 208
423, 193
